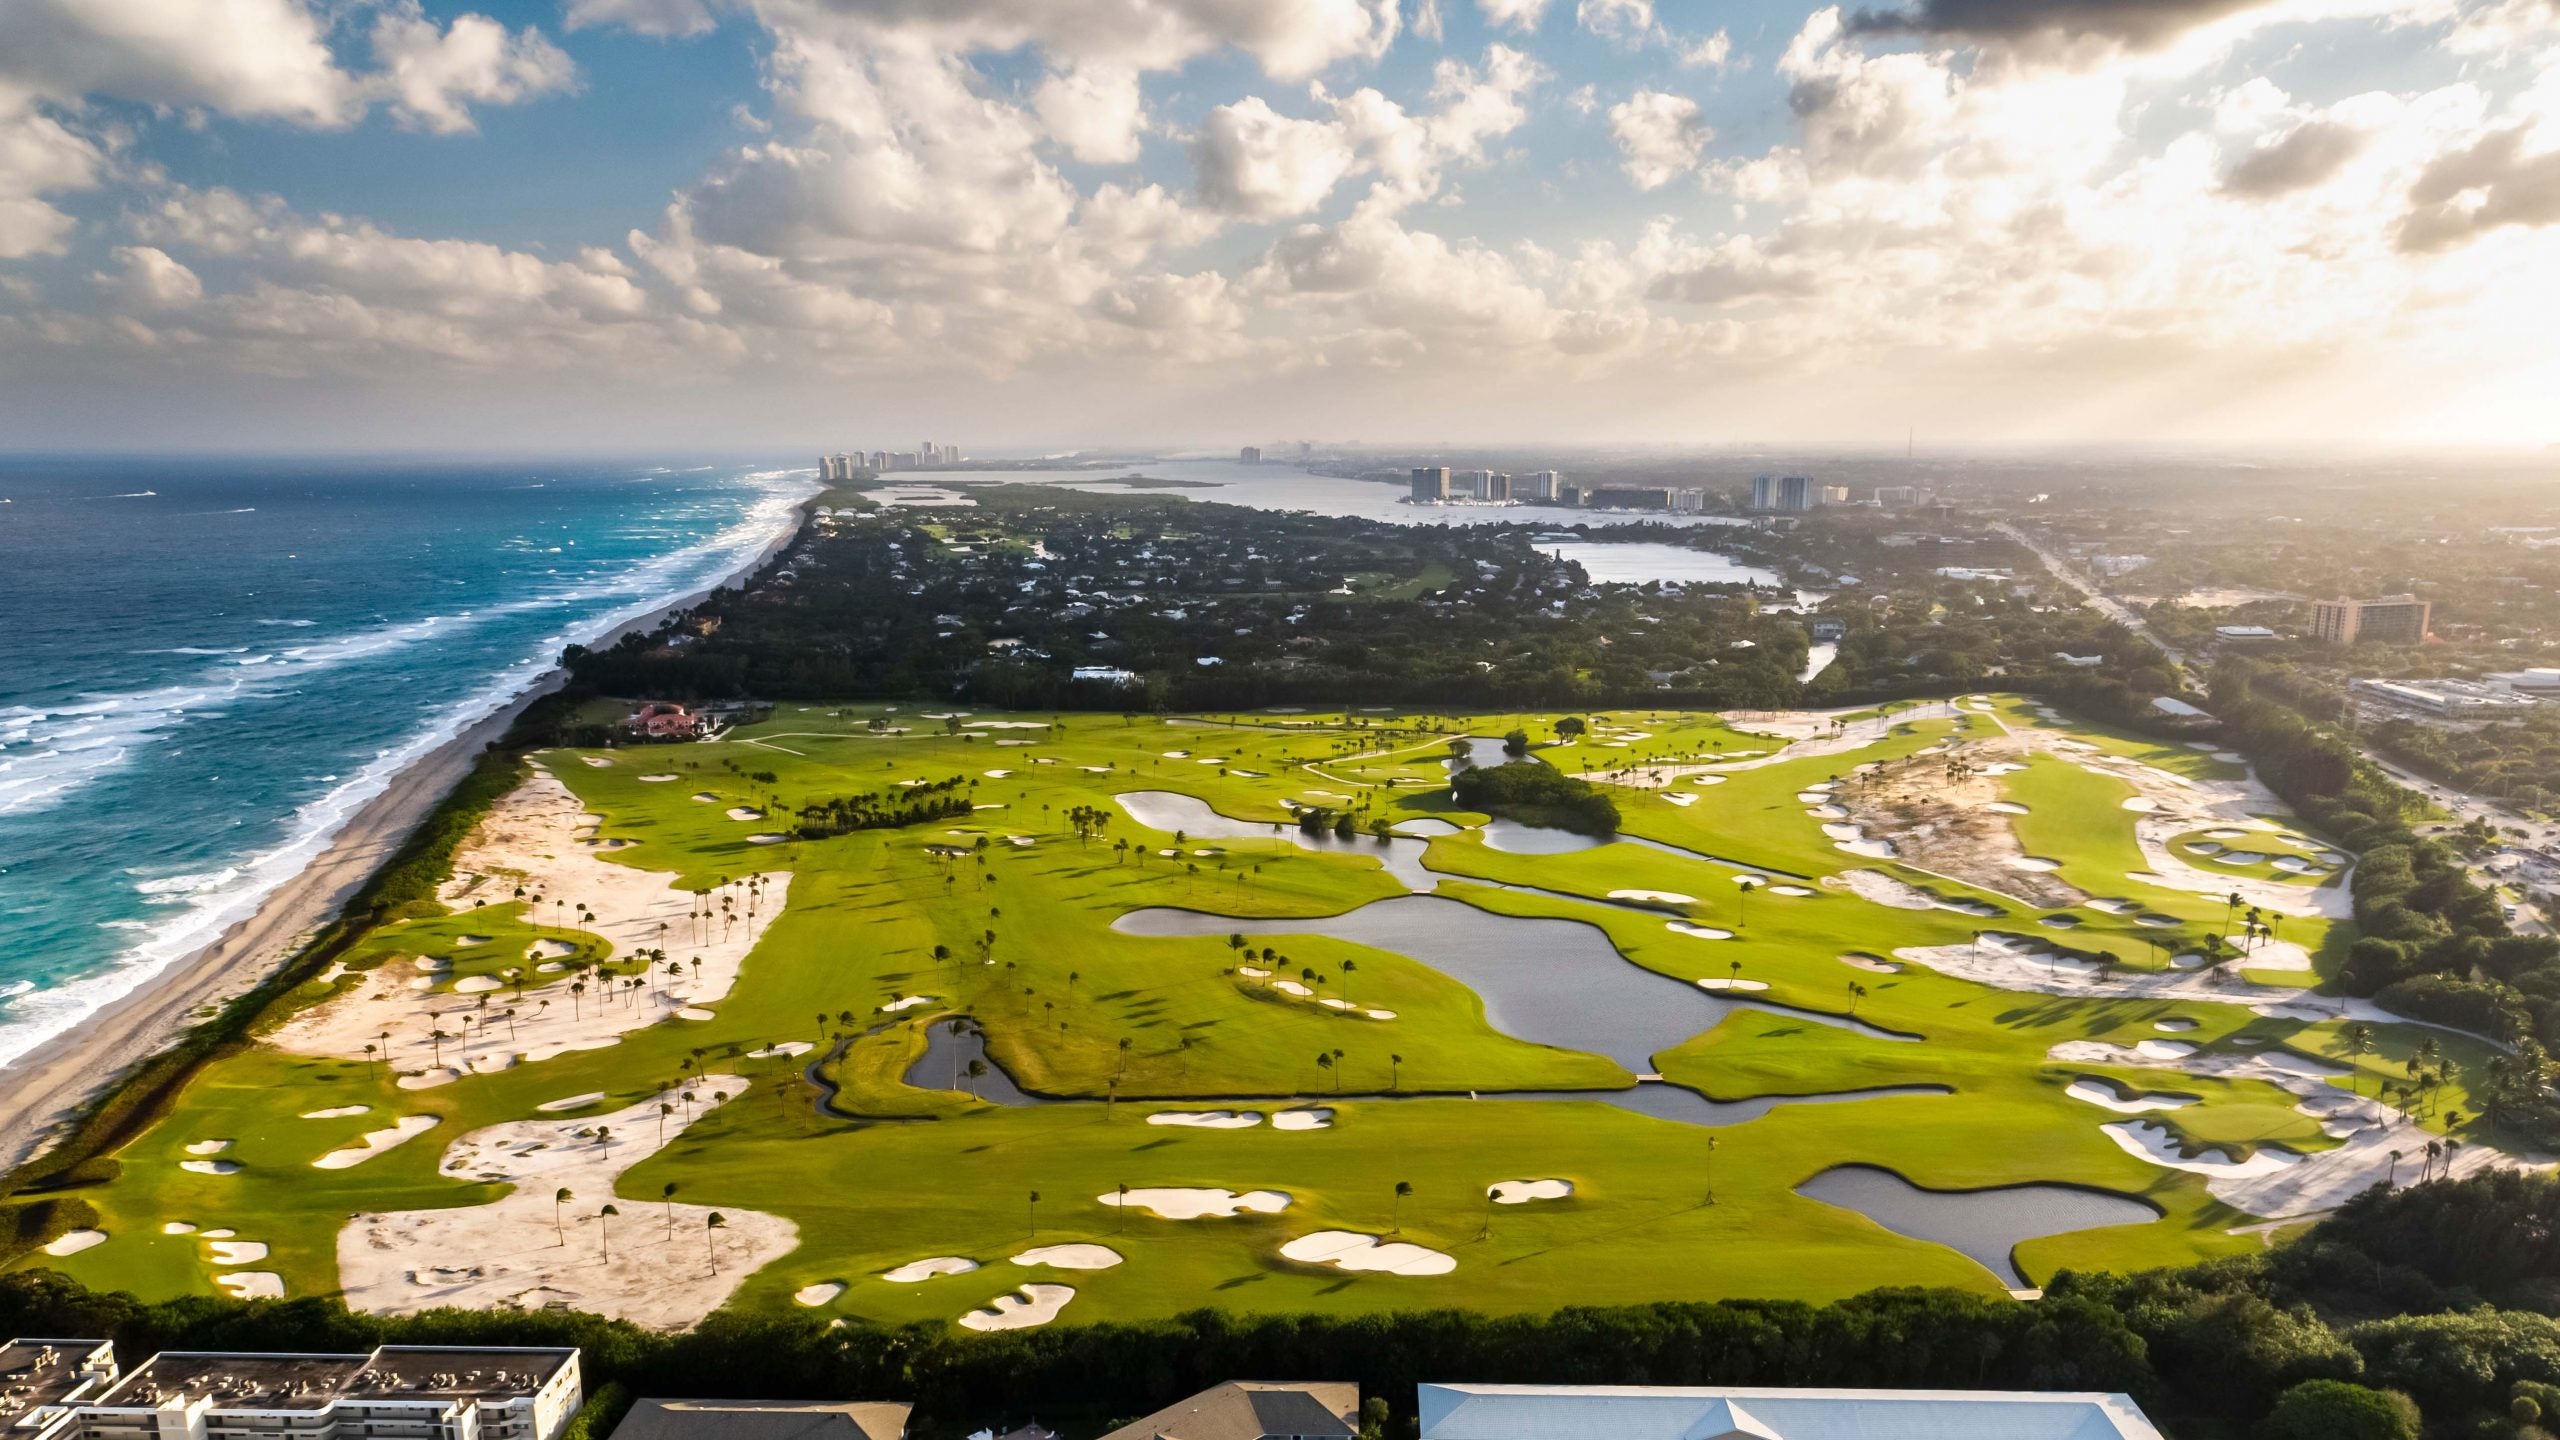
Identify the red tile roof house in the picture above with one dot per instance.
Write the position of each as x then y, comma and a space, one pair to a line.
661, 721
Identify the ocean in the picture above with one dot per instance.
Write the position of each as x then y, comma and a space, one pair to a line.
206, 666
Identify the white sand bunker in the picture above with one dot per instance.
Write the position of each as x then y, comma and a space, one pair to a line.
220, 1234
1208, 1119
597, 761
2114, 907
2036, 864
335, 1112
374, 1142
2141, 804
517, 1252
2155, 1143
705, 797
2164, 1049
211, 1167
477, 984
208, 1147
1313, 1117
252, 1284
236, 1252
1724, 982
915, 1271
781, 1050
822, 1293
1683, 801
696, 1012
2175, 1024
550, 950
1070, 1257
2241, 857
1180, 1204
906, 1002
656, 779
2106, 1095
570, 1102
1706, 779
1031, 1305
1698, 932
1659, 897
2006, 807
998, 774
1864, 961
1346, 1250
2157, 922
743, 813
72, 1242
178, 1227
1792, 892
1521, 1192
767, 839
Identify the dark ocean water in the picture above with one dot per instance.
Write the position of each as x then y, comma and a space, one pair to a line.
206, 666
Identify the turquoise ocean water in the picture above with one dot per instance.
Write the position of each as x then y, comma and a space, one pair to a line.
206, 666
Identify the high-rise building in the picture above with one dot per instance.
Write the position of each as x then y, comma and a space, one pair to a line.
2392, 620
1250, 455
1833, 495
1897, 496
1782, 492
1539, 485
1497, 487
1430, 484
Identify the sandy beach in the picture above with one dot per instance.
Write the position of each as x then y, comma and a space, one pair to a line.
49, 1085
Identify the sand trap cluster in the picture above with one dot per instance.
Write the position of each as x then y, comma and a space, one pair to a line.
2107, 1096
822, 1293
917, 1271
530, 837
1181, 1204
1347, 1250
508, 1254
1029, 1306
2159, 1145
1521, 1192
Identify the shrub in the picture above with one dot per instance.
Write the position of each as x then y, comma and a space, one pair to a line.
2336, 1410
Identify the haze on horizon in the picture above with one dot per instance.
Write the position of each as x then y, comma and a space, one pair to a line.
788, 224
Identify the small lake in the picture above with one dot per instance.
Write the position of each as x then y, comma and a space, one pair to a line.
950, 1044
1551, 982
1984, 1224
1636, 562
1170, 812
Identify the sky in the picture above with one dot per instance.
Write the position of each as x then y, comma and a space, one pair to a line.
801, 224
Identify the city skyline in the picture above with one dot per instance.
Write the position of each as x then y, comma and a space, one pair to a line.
769, 222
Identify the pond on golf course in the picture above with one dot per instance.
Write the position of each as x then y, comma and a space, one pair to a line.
1984, 1224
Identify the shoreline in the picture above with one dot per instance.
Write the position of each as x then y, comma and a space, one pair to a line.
56, 1081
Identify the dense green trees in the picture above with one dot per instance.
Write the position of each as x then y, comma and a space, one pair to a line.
1535, 793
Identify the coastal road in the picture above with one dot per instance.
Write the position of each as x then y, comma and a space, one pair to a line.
2105, 604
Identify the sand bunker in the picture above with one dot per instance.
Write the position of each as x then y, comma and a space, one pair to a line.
1792, 892
1698, 932
530, 838
236, 1252
1878, 888
633, 1268
919, 1270
1346, 1250
1659, 897
2105, 1094
1031, 1305
1521, 1192
252, 1284
72, 1242
2164, 1049
374, 1142
906, 1002
1178, 1204
705, 797
1208, 1119
208, 1147
822, 1293
2175, 1024
178, 1227
781, 1050
744, 813
1863, 961
656, 779
1313, 1117
1723, 982
2034, 864
2159, 1145
1070, 1257
570, 1102
211, 1167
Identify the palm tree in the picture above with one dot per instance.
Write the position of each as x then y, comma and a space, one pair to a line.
2359, 1038
2391, 1177
1742, 907
2435, 1152
560, 1197
711, 1229
1337, 1072
604, 1231
1348, 966
1324, 1061
1035, 1212
1395, 1068
1857, 992
1734, 982
664, 1110
975, 1070
368, 1058
1403, 1188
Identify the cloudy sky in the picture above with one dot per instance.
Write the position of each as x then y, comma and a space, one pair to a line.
787, 223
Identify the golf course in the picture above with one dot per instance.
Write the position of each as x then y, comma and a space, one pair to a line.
1010, 1019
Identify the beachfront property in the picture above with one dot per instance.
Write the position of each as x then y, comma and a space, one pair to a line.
1255, 1410
764, 1420
42, 1381
397, 1392
1638, 1412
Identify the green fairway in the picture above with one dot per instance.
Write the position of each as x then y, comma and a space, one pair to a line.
1002, 914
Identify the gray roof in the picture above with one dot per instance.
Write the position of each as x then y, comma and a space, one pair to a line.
1633, 1412
763, 1420
1253, 1410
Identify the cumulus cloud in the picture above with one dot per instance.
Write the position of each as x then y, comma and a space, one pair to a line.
431, 77
1660, 137
2305, 156
1095, 111
2495, 182
1258, 163
1629, 22
1254, 162
146, 278
1521, 16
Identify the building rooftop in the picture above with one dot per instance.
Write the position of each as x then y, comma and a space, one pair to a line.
763, 1420
313, 1382
1253, 1409
1603, 1412
37, 1374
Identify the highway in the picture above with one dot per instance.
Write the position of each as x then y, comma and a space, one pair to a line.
2097, 599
